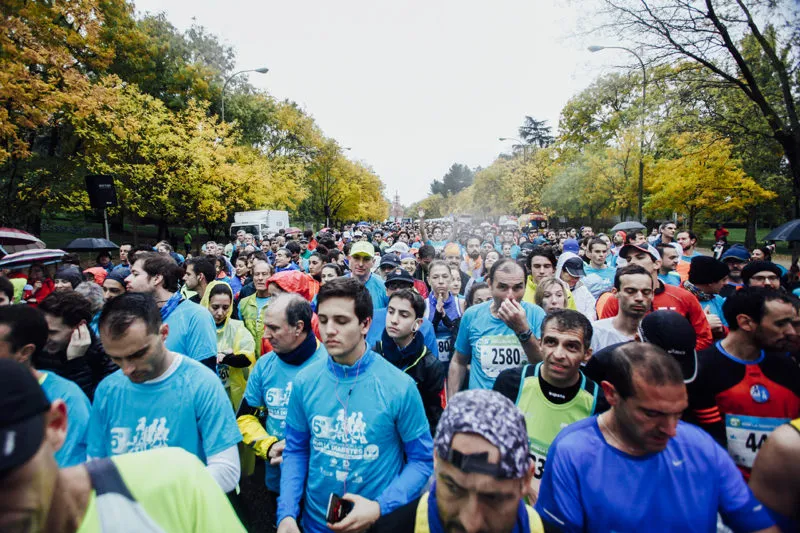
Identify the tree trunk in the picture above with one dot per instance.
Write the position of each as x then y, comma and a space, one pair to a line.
135, 222
791, 149
35, 224
750, 232
162, 229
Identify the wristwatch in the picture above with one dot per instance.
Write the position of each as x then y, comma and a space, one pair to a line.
523, 337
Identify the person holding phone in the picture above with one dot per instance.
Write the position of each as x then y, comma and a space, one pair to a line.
355, 427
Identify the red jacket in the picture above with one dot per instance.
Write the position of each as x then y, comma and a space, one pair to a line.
675, 299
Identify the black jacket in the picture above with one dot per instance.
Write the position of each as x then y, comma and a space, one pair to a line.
86, 371
424, 368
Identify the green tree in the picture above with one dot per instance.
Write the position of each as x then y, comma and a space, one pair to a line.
457, 178
747, 45
536, 132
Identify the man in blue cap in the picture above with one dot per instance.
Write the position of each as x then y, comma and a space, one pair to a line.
736, 257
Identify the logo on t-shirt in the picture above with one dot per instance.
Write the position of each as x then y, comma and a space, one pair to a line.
759, 393
277, 400
343, 438
145, 436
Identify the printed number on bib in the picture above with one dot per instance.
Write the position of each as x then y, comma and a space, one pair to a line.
498, 353
538, 465
746, 435
445, 349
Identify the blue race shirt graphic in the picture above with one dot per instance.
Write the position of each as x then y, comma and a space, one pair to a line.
189, 409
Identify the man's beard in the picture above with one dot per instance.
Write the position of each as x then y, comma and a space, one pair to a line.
475, 255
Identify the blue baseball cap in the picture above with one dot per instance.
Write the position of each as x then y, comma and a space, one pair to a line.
737, 252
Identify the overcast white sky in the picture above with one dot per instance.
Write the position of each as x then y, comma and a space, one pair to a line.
411, 86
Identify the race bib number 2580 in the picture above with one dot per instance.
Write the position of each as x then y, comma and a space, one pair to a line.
500, 352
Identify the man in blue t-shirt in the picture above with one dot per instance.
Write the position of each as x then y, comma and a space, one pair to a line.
499, 334
355, 428
192, 331
23, 334
361, 259
287, 326
600, 276
159, 398
637, 467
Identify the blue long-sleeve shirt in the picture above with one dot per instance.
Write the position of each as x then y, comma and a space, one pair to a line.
360, 429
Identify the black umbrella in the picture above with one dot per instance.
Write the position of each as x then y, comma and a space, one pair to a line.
786, 232
630, 225
86, 244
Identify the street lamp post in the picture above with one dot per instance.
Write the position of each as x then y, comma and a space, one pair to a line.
524, 147
641, 117
262, 70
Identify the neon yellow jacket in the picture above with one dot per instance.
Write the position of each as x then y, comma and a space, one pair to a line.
253, 320
232, 336
530, 294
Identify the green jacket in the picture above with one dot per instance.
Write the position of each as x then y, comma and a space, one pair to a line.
253, 321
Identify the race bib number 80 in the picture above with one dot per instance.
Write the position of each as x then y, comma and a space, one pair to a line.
498, 353
445, 349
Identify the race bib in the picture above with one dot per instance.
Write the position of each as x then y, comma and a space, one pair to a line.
223, 371
746, 435
498, 353
445, 348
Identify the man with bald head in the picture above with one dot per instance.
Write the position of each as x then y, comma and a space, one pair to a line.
287, 326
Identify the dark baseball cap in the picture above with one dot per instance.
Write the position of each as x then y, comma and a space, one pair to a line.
389, 260
668, 330
737, 252
23, 405
574, 267
398, 275
672, 332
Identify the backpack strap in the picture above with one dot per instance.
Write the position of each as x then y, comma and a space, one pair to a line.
106, 478
117, 509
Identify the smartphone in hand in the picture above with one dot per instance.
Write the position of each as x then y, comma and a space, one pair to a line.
337, 508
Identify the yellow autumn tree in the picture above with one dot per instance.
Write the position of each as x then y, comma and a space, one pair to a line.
174, 165
702, 179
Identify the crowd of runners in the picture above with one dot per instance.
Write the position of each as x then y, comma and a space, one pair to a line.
409, 377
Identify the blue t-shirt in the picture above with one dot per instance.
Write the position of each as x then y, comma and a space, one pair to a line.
606, 273
439, 245
715, 304
688, 258
358, 419
73, 451
270, 386
379, 324
192, 331
515, 249
589, 485
673, 278
491, 344
377, 290
188, 409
